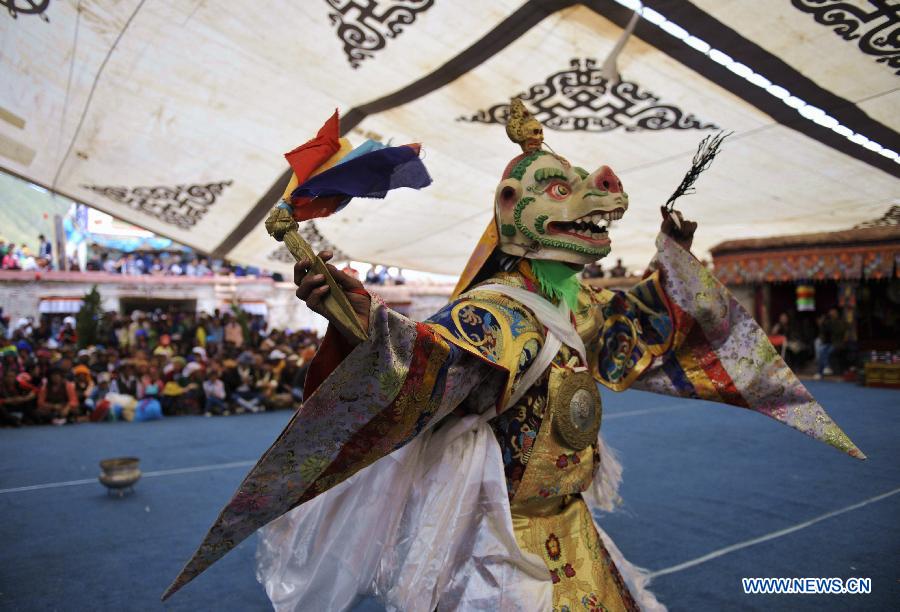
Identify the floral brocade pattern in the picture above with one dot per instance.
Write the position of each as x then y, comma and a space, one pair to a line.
516, 429
722, 355
554, 469
584, 576
493, 326
633, 327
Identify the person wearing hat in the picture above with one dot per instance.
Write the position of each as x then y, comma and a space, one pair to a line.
269, 381
175, 384
199, 354
84, 386
98, 361
24, 348
28, 262
97, 403
10, 359
125, 381
191, 400
276, 358
172, 370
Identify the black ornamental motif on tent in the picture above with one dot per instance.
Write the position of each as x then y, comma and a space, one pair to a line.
364, 26
889, 219
26, 7
876, 28
581, 99
182, 205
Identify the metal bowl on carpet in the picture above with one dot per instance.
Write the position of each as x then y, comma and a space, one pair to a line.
119, 474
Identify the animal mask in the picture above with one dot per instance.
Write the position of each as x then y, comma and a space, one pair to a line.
547, 209
544, 208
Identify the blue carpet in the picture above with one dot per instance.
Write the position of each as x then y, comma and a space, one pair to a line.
698, 477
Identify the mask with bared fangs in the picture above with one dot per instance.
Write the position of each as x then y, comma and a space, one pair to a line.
547, 209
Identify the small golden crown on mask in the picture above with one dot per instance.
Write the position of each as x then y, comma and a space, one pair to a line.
522, 128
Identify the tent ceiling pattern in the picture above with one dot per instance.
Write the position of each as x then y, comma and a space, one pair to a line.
174, 115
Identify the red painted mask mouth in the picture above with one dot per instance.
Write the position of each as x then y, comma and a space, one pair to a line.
591, 228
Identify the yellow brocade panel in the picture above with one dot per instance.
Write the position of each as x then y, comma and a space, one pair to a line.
552, 521
554, 468
562, 533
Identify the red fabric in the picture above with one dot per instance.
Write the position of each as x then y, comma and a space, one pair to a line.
331, 353
307, 157
100, 411
304, 209
706, 357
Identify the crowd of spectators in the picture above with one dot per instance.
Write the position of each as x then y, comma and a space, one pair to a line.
20, 257
162, 263
827, 341
147, 365
158, 263
382, 275
595, 270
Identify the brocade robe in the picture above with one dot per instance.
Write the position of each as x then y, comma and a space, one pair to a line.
486, 508
545, 474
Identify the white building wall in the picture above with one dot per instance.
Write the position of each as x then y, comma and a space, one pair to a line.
21, 294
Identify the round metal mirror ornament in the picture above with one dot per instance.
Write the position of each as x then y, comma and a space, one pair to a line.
119, 474
578, 410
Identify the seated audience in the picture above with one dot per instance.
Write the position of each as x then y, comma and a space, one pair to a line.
214, 390
147, 364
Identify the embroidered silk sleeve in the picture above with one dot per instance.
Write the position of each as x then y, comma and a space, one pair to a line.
404, 378
494, 327
719, 353
630, 328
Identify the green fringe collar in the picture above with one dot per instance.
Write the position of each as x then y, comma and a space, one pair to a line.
557, 280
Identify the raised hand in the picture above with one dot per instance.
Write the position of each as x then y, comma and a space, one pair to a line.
678, 228
313, 288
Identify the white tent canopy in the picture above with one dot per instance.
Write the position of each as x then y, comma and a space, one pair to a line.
174, 115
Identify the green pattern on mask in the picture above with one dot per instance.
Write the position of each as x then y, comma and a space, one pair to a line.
580, 172
545, 174
508, 230
558, 281
519, 170
552, 243
539, 224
